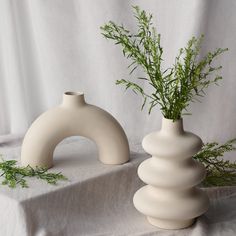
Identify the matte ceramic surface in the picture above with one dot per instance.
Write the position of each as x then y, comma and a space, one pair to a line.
170, 200
74, 117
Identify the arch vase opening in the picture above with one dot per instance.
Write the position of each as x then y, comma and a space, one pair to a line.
171, 200
74, 117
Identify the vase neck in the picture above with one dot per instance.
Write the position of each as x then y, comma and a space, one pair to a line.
172, 127
73, 99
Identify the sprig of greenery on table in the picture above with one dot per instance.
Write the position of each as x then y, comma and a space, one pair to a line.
172, 88
220, 172
14, 175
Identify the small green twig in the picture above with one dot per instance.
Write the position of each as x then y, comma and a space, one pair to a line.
220, 172
14, 175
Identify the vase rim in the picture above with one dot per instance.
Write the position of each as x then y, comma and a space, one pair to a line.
71, 98
73, 93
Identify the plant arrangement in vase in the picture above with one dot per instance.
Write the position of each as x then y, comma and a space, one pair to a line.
170, 199
175, 87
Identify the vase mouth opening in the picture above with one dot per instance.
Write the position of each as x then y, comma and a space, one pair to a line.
71, 98
71, 93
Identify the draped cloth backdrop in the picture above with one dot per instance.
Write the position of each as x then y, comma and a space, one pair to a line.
51, 46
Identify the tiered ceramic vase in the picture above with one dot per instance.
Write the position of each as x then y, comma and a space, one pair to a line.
171, 198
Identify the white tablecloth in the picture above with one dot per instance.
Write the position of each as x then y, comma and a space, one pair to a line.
97, 200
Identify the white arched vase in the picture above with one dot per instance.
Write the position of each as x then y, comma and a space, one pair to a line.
74, 117
171, 200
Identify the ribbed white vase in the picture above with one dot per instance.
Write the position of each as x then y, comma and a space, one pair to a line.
171, 199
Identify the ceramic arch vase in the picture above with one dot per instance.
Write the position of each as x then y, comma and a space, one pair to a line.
171, 199
74, 117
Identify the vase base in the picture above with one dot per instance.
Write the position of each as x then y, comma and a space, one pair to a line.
170, 224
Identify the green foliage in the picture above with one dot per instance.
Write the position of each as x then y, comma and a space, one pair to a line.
14, 175
172, 88
220, 172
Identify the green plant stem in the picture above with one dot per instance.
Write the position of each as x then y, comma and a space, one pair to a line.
14, 175
175, 87
220, 172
